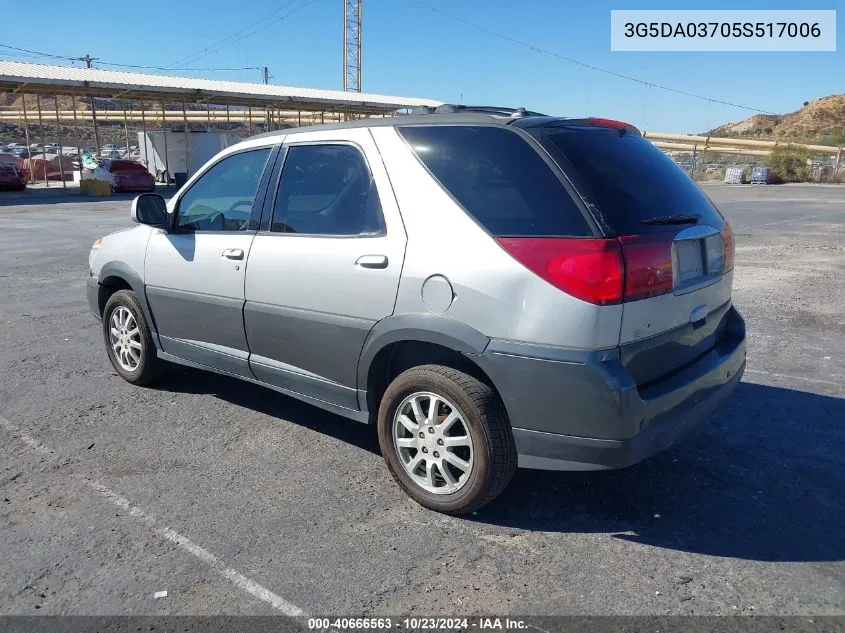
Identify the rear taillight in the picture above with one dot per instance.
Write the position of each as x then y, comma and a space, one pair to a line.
589, 269
648, 265
730, 246
599, 271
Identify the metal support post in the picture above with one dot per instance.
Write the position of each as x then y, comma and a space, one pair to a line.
26, 135
59, 141
166, 157
44, 156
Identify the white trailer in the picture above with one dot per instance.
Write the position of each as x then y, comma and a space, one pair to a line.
166, 154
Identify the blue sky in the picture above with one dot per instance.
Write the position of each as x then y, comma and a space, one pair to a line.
411, 50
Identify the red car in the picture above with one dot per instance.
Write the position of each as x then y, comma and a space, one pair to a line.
131, 176
11, 179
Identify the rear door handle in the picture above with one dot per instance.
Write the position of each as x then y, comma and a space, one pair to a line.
372, 261
233, 253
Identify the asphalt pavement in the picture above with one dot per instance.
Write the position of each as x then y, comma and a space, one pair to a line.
238, 500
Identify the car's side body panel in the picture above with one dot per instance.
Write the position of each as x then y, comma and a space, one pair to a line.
492, 292
195, 283
195, 293
309, 303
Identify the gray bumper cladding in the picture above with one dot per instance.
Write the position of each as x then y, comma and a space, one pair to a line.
577, 410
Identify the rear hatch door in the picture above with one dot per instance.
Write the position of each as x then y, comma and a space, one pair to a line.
677, 247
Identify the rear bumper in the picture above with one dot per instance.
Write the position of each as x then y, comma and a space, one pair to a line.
578, 410
550, 451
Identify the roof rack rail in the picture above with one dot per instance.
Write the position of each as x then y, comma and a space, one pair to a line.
450, 108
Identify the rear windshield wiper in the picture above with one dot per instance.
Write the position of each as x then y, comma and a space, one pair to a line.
691, 218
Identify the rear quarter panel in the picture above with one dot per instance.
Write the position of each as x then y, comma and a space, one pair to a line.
492, 292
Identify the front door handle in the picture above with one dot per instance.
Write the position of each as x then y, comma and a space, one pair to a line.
233, 253
372, 261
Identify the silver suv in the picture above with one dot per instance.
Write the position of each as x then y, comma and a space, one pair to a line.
489, 287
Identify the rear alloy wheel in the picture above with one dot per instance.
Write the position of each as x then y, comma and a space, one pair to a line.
129, 343
433, 443
446, 438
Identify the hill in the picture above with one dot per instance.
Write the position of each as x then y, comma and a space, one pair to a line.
820, 121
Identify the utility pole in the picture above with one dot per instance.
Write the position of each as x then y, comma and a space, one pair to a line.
266, 75
88, 59
352, 45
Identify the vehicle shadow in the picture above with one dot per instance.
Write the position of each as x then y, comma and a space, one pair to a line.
272, 403
763, 480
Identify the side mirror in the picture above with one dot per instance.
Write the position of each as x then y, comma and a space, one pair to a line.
149, 208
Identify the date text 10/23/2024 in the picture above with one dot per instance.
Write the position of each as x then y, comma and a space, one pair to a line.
417, 624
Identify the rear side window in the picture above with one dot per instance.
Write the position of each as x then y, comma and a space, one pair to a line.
499, 179
327, 190
628, 178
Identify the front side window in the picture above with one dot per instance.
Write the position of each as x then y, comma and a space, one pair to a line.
327, 190
222, 199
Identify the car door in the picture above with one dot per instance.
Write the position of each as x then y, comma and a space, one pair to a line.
326, 266
194, 272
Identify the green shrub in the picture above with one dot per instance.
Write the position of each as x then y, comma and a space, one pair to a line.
788, 164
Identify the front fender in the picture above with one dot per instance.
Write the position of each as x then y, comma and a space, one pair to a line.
121, 270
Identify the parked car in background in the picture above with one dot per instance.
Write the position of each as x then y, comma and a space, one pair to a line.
11, 178
486, 286
130, 176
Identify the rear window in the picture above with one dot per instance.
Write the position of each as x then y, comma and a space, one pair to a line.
499, 179
628, 178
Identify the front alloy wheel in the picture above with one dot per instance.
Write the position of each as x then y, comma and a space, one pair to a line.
125, 338
128, 339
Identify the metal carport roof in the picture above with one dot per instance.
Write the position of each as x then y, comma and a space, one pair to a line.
49, 79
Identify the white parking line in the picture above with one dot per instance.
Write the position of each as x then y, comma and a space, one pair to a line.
233, 576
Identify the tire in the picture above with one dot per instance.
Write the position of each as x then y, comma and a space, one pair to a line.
148, 366
480, 412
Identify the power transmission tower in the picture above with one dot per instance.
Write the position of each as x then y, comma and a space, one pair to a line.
352, 45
